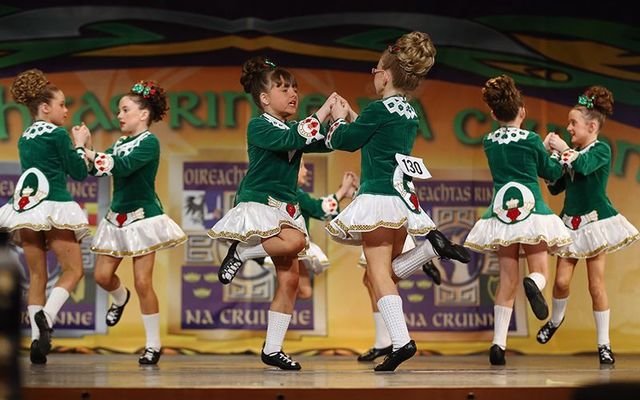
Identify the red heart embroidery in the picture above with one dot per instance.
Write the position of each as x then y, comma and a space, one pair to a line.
291, 209
414, 201
575, 222
513, 213
121, 219
22, 203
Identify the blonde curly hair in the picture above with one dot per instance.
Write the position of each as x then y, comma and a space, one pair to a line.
409, 59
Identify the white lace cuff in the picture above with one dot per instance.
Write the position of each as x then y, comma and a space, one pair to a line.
309, 129
332, 129
330, 206
103, 164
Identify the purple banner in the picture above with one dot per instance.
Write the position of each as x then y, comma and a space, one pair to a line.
209, 190
464, 301
242, 305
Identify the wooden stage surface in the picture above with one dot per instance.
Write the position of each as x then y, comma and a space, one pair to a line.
84, 377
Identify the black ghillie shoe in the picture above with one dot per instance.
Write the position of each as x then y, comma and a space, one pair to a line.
605, 354
230, 265
374, 353
536, 299
546, 332
44, 342
432, 272
150, 356
36, 355
496, 355
115, 311
446, 248
391, 361
281, 360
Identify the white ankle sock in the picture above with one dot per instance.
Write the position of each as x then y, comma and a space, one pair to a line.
501, 319
54, 303
390, 307
119, 296
247, 252
152, 330
277, 326
35, 331
382, 334
602, 326
409, 262
558, 309
539, 279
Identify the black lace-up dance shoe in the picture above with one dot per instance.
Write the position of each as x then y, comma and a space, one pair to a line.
44, 342
496, 355
536, 299
446, 248
36, 355
374, 353
432, 272
281, 360
605, 354
546, 332
115, 311
391, 361
230, 265
150, 356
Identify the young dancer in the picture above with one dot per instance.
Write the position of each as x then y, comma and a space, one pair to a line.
517, 216
266, 219
387, 208
135, 225
42, 214
324, 209
382, 342
595, 225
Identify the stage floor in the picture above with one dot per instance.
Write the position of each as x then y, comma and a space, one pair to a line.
244, 376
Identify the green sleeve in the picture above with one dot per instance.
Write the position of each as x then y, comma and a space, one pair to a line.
317, 147
309, 206
352, 136
124, 165
592, 160
295, 136
73, 161
324, 208
548, 167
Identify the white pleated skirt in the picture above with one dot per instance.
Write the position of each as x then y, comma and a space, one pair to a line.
250, 222
138, 238
487, 235
603, 236
44, 217
371, 211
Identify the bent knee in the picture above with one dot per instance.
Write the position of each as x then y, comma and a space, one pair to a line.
295, 245
102, 278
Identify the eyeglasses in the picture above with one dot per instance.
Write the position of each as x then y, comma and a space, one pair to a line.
375, 70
